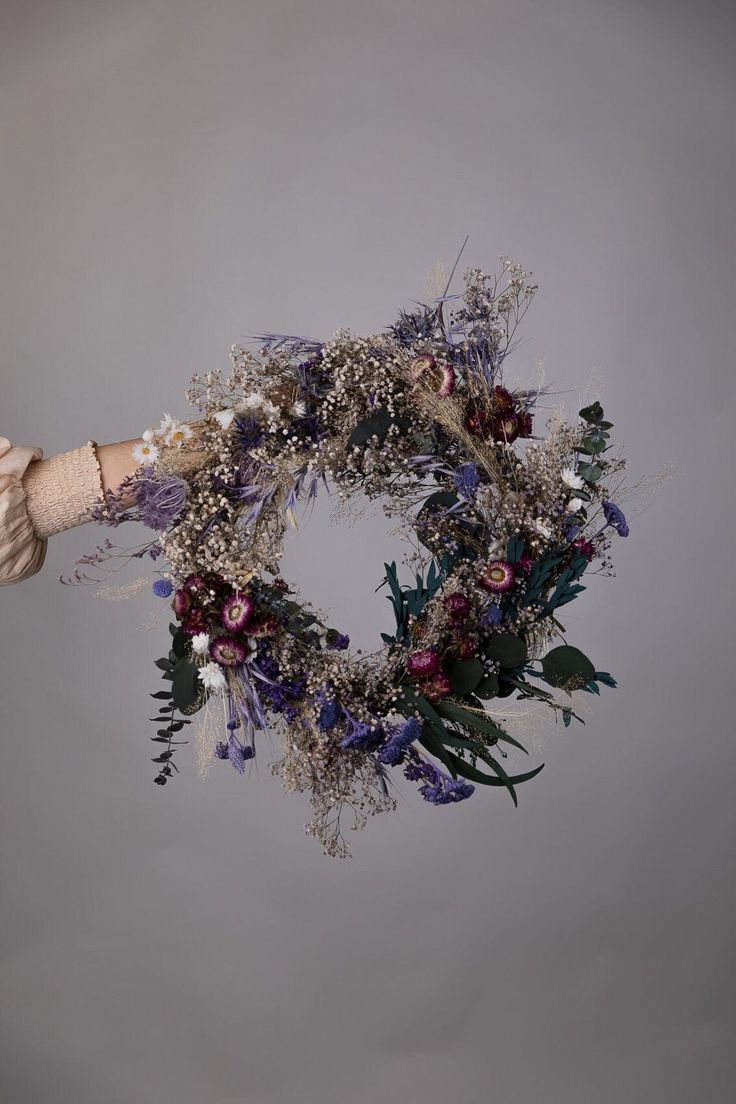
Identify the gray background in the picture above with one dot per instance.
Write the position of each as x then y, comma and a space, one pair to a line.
174, 174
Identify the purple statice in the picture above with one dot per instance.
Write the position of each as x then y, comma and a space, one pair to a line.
278, 696
360, 736
162, 588
329, 714
113, 506
221, 750
615, 518
437, 787
160, 500
492, 616
466, 479
339, 642
569, 529
393, 751
239, 753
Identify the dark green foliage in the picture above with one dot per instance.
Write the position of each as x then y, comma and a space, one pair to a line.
169, 724
377, 425
507, 649
465, 675
567, 668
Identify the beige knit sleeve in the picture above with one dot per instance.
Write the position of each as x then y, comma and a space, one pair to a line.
39, 498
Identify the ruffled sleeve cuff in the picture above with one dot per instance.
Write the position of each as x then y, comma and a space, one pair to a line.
39, 498
61, 490
22, 550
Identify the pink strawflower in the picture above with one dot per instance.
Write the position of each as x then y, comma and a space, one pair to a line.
437, 687
237, 612
498, 576
227, 652
439, 374
423, 664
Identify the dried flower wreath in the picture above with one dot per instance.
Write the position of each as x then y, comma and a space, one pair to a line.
505, 522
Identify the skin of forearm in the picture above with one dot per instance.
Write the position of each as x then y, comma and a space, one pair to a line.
116, 462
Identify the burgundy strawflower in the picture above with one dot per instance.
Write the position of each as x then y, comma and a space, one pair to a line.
196, 585
227, 651
237, 612
498, 576
195, 622
524, 423
479, 423
457, 605
423, 664
465, 647
502, 401
181, 603
265, 626
585, 547
505, 428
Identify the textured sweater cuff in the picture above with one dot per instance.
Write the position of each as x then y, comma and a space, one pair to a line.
61, 490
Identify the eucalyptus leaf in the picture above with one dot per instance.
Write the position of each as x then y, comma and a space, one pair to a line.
376, 424
567, 668
465, 674
475, 721
507, 649
185, 685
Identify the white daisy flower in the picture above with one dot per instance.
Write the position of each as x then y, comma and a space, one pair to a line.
224, 418
574, 505
148, 435
178, 434
211, 677
201, 643
166, 423
145, 453
571, 478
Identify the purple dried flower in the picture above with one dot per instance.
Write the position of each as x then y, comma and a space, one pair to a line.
615, 518
361, 736
438, 788
162, 588
221, 750
393, 751
466, 479
247, 432
235, 754
492, 616
339, 642
160, 501
329, 714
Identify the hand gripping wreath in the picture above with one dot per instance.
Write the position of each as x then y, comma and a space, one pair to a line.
503, 519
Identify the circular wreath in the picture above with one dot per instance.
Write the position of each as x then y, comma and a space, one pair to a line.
503, 517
